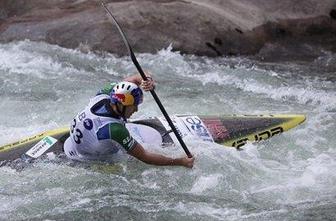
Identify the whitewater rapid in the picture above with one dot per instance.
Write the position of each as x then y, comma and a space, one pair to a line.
289, 177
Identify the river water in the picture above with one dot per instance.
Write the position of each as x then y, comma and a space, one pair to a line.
289, 177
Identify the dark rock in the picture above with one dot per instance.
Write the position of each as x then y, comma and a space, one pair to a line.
333, 14
288, 51
269, 28
213, 48
218, 41
238, 30
299, 39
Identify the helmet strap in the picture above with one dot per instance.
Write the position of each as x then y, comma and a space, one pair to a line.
121, 109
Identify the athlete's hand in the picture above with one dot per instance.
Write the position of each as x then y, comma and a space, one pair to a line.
149, 84
188, 162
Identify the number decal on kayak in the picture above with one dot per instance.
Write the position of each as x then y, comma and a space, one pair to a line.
196, 126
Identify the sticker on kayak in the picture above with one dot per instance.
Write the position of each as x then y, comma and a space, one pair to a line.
180, 127
41, 147
189, 126
197, 127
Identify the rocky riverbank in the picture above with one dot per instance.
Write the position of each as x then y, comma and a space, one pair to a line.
270, 30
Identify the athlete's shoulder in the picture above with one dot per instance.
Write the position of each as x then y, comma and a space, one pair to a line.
117, 132
118, 129
107, 88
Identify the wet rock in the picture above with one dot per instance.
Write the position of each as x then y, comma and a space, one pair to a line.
333, 13
270, 29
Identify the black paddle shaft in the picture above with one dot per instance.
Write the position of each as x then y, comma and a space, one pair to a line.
143, 75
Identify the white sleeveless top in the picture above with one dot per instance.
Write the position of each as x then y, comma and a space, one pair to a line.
83, 143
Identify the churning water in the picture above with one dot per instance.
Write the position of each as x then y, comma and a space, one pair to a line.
289, 177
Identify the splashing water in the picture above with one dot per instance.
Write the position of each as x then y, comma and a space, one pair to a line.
290, 177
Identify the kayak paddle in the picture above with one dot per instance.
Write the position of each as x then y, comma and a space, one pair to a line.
144, 77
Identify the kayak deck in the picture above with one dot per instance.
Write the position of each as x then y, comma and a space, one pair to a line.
231, 130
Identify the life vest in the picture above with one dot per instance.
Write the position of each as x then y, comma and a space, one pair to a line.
83, 142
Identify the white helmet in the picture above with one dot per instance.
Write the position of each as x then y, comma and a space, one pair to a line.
126, 93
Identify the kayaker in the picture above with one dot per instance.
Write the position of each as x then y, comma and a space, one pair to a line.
99, 131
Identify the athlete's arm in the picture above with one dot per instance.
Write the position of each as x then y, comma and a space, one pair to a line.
156, 159
137, 79
120, 134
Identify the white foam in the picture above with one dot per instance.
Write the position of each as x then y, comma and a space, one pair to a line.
204, 209
320, 171
27, 62
303, 93
296, 168
35, 59
204, 183
16, 133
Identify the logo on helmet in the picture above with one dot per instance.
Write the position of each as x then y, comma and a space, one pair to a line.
124, 99
119, 97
